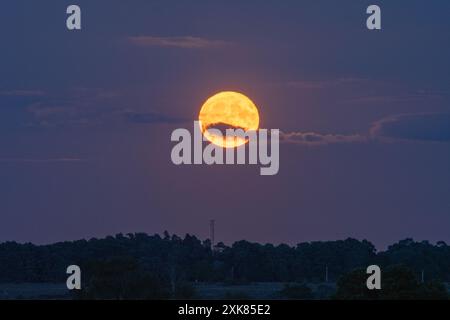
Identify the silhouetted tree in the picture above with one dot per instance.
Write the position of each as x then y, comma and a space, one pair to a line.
171, 263
398, 283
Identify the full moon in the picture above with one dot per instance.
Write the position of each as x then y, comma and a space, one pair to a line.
228, 109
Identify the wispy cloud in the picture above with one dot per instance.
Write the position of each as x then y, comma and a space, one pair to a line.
187, 42
40, 160
88, 113
370, 91
150, 117
396, 98
62, 113
318, 139
325, 84
76, 107
414, 127
22, 93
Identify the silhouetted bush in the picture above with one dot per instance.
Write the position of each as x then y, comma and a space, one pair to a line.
398, 283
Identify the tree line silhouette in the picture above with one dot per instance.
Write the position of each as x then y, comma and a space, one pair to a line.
155, 266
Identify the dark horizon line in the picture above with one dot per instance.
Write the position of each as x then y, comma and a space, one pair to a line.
162, 236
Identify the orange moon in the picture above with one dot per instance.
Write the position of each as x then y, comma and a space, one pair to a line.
228, 109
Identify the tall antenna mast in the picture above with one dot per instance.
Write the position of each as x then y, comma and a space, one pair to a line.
211, 230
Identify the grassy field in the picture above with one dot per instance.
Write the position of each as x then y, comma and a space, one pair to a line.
257, 290
33, 291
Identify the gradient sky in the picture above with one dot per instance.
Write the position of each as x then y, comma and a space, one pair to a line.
86, 118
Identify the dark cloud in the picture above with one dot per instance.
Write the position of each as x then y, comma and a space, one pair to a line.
75, 107
36, 108
419, 127
68, 113
90, 114
425, 127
